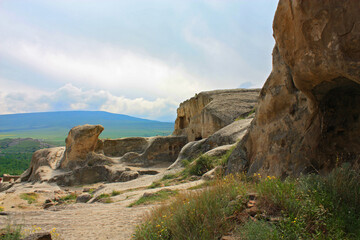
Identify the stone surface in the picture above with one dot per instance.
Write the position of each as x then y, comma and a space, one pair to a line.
80, 141
225, 136
207, 112
307, 119
43, 163
38, 236
84, 160
5, 186
83, 198
121, 146
210, 175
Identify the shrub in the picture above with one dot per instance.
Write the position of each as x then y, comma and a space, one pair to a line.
202, 165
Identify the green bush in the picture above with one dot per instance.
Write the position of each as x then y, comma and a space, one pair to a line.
202, 165
316, 207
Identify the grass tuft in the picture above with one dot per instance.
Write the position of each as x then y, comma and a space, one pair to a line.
29, 197
155, 197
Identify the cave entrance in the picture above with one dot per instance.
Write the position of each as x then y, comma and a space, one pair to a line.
182, 122
339, 115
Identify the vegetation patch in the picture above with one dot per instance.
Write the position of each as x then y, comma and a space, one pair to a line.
195, 215
29, 197
104, 198
115, 193
1, 209
155, 197
308, 207
193, 170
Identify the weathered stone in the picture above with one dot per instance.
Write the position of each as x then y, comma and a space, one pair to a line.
39, 236
80, 141
43, 162
307, 119
207, 112
5, 186
225, 136
210, 175
121, 146
83, 198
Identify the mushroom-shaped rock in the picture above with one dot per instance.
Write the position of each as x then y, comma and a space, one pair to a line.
80, 141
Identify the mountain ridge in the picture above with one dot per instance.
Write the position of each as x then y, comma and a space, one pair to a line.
55, 125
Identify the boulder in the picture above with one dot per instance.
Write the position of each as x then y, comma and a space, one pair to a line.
83, 198
80, 141
307, 119
207, 112
5, 186
43, 163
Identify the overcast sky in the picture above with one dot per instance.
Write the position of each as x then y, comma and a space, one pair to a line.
138, 57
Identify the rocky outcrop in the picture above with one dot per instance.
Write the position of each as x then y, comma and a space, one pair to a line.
121, 146
80, 141
43, 164
307, 119
207, 112
145, 151
84, 160
215, 145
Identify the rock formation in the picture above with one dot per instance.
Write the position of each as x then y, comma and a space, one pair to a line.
207, 112
145, 151
215, 145
307, 119
80, 141
86, 159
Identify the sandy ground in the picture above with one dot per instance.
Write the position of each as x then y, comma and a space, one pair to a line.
83, 220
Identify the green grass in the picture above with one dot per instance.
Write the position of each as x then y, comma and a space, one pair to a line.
155, 197
11, 232
67, 199
308, 207
104, 198
195, 167
195, 215
29, 197
1, 209
115, 193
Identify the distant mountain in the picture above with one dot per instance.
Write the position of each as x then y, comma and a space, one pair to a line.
54, 126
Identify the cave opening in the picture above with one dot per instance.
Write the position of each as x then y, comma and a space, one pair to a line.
339, 114
182, 122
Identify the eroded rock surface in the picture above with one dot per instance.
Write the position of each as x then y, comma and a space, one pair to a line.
217, 143
80, 141
307, 119
84, 160
207, 112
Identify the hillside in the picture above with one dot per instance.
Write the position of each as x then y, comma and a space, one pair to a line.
15, 154
54, 126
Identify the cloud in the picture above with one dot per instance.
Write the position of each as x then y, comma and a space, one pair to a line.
70, 97
105, 66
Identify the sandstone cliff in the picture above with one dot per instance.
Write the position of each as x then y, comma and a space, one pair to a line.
207, 112
307, 118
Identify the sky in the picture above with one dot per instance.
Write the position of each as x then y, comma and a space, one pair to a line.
140, 57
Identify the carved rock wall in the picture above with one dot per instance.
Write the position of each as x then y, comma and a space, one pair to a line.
307, 118
207, 112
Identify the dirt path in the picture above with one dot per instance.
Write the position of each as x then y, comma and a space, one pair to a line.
97, 220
